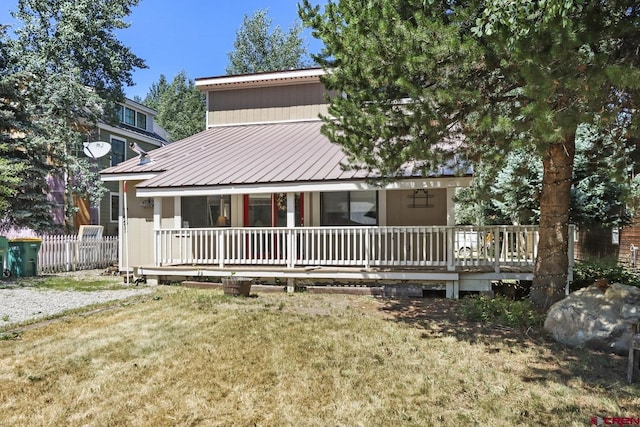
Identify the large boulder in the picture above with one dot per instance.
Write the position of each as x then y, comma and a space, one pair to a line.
597, 317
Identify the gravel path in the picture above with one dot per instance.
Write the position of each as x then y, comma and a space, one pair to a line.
19, 304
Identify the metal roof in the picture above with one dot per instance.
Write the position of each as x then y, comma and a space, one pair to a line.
242, 155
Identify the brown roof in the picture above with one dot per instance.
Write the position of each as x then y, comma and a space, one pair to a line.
244, 154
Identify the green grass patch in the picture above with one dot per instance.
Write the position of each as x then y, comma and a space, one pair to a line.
500, 310
76, 284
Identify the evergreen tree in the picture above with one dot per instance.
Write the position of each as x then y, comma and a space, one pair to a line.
72, 67
426, 80
13, 123
257, 48
180, 105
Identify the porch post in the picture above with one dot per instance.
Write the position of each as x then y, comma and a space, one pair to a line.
291, 223
451, 207
291, 210
450, 231
177, 212
157, 225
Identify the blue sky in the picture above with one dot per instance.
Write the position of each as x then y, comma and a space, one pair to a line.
190, 35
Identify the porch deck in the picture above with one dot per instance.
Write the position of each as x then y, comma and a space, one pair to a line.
460, 258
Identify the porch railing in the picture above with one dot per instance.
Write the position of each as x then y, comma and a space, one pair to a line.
438, 246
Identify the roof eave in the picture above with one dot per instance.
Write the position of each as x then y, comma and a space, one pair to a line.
129, 176
307, 186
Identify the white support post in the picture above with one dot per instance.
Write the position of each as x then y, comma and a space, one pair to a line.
291, 285
497, 249
291, 223
291, 210
177, 212
220, 239
157, 225
450, 249
451, 206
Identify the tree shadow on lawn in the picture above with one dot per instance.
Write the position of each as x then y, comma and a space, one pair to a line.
439, 317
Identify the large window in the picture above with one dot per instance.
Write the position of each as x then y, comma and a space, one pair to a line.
349, 208
117, 151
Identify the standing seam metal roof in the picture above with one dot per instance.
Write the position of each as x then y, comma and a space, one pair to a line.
244, 154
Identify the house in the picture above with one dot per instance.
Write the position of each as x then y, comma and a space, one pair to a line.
135, 124
262, 193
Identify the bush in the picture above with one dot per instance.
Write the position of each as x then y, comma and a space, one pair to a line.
585, 273
500, 310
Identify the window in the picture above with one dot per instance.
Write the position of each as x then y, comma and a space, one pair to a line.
120, 113
259, 210
129, 116
141, 120
349, 208
132, 117
115, 207
117, 151
219, 211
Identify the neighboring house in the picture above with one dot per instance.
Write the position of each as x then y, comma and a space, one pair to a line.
136, 125
261, 192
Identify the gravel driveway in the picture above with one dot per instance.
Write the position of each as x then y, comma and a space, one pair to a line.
22, 303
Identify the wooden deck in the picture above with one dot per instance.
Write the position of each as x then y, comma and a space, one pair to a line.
456, 258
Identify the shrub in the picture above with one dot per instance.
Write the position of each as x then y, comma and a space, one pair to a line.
500, 310
585, 273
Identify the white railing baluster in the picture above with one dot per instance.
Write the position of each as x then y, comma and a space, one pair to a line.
337, 246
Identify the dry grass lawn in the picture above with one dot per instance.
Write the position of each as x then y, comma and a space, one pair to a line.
196, 357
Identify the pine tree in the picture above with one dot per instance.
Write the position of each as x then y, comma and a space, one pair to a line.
71, 67
425, 80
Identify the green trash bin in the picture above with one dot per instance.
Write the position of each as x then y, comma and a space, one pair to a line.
23, 256
4, 257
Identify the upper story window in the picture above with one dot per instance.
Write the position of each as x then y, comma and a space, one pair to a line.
132, 117
117, 151
141, 120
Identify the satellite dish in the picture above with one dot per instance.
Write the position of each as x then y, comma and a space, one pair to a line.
96, 149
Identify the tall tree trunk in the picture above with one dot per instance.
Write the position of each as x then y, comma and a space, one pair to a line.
550, 272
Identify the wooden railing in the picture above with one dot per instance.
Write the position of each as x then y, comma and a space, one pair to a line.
438, 246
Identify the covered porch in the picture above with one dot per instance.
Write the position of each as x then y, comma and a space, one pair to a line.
452, 258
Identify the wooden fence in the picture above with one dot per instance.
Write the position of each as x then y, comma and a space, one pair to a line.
68, 253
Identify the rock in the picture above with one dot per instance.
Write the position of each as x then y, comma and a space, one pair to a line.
592, 318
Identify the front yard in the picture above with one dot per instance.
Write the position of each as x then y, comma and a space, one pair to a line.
196, 357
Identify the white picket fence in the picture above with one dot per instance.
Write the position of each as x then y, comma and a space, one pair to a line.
69, 253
